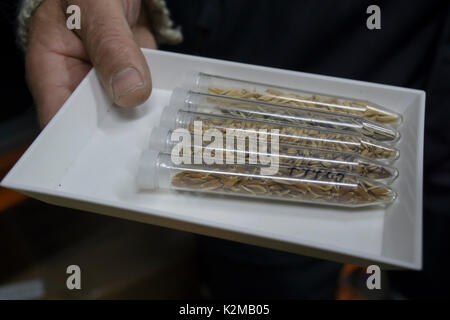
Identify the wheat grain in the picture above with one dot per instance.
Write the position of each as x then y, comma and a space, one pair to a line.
297, 184
359, 108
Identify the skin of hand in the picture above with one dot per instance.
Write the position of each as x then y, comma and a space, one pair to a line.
57, 59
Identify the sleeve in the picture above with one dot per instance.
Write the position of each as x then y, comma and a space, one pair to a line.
26, 11
161, 24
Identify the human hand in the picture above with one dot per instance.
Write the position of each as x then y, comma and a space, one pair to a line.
111, 33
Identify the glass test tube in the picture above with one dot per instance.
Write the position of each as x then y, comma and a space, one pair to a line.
173, 117
282, 114
293, 97
158, 171
162, 139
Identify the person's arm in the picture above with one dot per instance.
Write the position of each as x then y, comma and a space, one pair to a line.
111, 33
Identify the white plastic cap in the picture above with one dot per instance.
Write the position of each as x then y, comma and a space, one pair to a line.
169, 116
159, 138
147, 177
191, 79
178, 98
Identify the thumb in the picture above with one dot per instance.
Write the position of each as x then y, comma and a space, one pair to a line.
119, 63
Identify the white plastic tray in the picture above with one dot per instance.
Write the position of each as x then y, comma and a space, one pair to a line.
86, 158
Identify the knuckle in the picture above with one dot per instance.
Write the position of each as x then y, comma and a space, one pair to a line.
132, 9
111, 44
46, 12
39, 16
106, 36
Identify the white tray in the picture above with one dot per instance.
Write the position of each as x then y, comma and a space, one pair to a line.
86, 158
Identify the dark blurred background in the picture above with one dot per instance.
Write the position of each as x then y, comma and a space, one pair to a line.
37, 241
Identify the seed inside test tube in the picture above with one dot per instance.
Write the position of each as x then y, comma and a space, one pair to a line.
320, 139
288, 155
284, 114
279, 95
359, 108
295, 184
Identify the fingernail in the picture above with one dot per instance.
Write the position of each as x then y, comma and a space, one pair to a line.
125, 81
